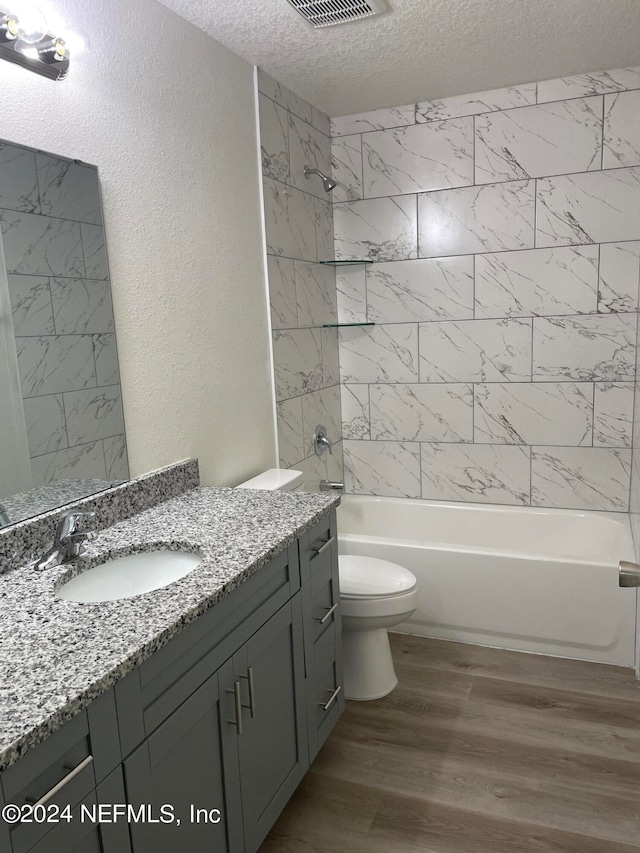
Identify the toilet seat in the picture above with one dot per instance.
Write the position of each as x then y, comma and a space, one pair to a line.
368, 578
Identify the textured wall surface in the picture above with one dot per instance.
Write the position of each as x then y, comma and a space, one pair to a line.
302, 291
422, 48
173, 134
504, 228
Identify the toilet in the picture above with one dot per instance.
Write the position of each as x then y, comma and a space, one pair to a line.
276, 480
374, 594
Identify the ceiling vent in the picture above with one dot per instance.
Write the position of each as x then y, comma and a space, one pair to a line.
328, 13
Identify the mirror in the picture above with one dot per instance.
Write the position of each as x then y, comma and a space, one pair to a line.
61, 421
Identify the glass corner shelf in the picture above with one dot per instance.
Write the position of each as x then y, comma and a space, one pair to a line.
345, 325
347, 263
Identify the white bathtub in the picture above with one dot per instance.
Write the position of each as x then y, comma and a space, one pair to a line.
536, 580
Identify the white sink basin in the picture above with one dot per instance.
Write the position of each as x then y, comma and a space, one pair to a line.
126, 577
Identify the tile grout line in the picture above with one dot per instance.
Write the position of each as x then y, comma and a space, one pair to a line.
289, 110
79, 444
555, 247
439, 119
470, 186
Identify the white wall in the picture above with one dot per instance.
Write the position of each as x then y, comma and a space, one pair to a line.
168, 116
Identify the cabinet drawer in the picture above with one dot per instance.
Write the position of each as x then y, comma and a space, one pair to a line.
328, 698
325, 597
84, 835
151, 693
317, 542
78, 836
58, 772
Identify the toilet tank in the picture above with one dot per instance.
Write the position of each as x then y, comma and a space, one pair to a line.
275, 480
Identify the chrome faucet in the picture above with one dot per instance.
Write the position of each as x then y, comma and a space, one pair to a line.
321, 441
68, 543
4, 517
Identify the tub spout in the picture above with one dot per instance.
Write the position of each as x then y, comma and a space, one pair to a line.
629, 574
331, 486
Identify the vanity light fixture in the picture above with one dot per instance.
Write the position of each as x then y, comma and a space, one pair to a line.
28, 43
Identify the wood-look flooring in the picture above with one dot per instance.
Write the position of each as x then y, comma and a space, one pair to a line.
477, 751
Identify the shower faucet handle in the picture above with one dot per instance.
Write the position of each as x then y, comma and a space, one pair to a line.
321, 441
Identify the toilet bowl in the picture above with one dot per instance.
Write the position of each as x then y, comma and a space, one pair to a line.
375, 595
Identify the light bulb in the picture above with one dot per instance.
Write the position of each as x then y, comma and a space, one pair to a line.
32, 24
53, 50
8, 28
77, 42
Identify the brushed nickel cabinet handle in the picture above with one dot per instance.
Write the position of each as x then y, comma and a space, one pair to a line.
328, 614
238, 706
252, 697
334, 696
61, 784
323, 547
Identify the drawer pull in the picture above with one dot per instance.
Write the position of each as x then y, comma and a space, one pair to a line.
238, 705
252, 698
323, 547
328, 614
334, 696
61, 784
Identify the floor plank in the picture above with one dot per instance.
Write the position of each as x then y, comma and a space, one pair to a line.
477, 751
540, 670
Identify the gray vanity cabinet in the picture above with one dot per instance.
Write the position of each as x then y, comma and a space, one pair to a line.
79, 764
322, 630
219, 725
83, 835
183, 765
238, 745
272, 744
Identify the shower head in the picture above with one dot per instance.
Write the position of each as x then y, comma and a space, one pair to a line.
327, 183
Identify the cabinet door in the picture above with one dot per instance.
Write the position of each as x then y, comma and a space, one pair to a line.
181, 766
272, 744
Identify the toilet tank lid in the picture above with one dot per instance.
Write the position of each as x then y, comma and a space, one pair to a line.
368, 577
274, 480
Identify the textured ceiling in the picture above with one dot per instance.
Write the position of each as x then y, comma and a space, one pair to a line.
422, 49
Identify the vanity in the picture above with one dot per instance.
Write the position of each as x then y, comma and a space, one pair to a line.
178, 719
190, 714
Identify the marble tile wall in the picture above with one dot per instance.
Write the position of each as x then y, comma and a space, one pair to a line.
55, 254
302, 291
504, 231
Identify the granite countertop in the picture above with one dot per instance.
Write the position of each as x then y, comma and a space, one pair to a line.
56, 656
